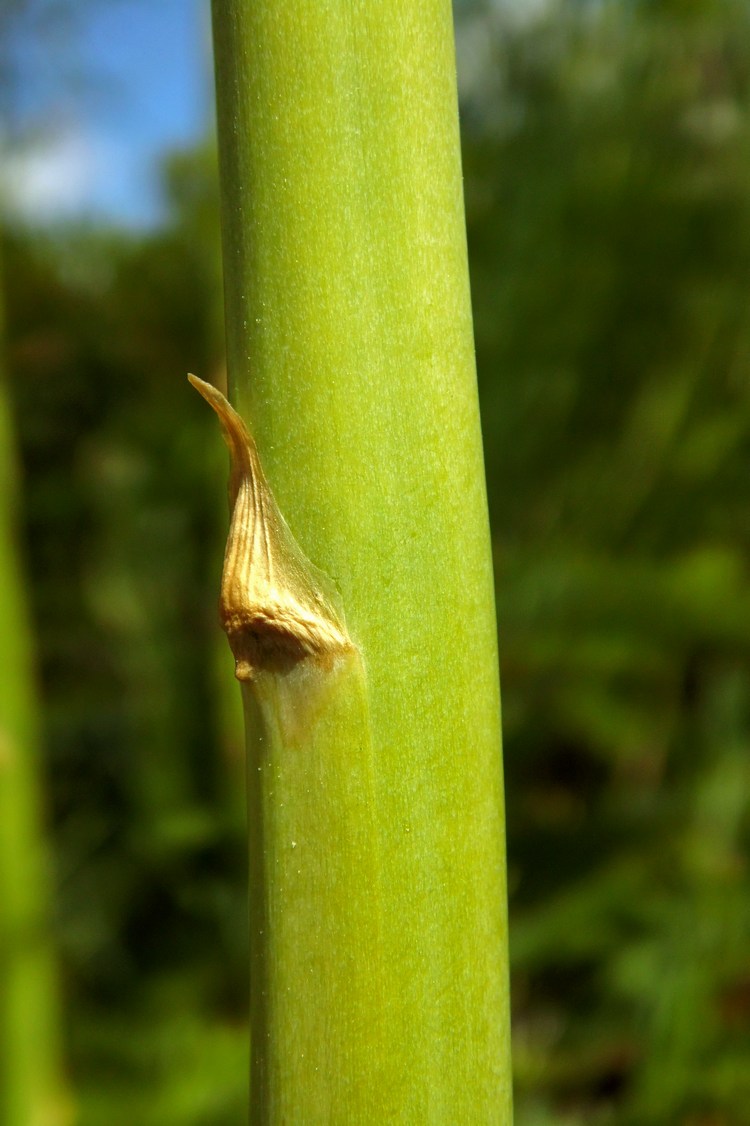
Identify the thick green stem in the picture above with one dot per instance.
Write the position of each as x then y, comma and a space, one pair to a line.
320, 1015
379, 961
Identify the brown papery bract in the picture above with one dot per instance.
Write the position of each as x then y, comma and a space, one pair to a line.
272, 605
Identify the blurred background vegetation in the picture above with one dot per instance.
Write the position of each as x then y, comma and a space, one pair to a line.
607, 165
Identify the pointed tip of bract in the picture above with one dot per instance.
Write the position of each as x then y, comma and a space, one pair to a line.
207, 390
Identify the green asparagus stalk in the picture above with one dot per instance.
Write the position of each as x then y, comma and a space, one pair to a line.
357, 590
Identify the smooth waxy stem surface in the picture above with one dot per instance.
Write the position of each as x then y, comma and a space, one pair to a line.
378, 925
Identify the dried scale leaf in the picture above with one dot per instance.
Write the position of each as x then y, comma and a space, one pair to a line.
272, 605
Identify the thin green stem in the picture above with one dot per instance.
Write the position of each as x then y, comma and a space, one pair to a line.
30, 1088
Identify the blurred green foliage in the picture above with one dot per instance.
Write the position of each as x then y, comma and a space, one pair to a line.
123, 473
608, 191
607, 159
